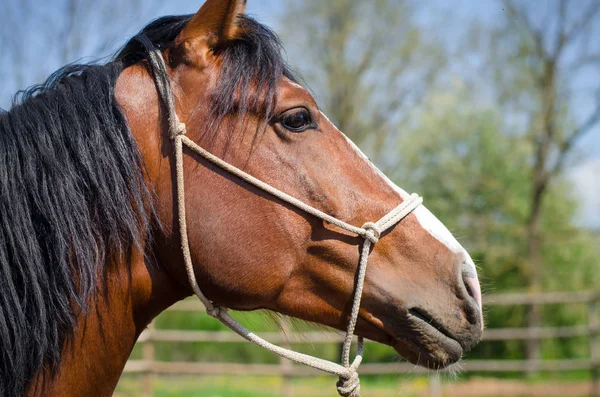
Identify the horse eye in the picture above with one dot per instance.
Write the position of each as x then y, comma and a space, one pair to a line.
297, 120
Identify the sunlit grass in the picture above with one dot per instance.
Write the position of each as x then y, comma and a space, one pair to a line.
229, 386
324, 386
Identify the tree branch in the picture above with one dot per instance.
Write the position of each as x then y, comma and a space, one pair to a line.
520, 17
570, 141
579, 26
368, 57
586, 60
561, 31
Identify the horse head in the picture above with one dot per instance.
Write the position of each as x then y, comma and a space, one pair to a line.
253, 251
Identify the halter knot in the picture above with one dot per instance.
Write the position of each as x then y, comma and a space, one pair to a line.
349, 387
215, 311
372, 232
179, 129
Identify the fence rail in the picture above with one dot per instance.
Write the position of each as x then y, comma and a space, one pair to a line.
149, 366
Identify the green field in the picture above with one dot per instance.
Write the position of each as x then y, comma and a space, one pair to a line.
227, 386
378, 386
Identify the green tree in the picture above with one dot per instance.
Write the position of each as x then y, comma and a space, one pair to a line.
535, 60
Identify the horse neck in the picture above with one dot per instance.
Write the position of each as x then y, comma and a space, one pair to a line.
136, 290
132, 292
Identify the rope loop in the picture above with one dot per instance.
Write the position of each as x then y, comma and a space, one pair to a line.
372, 232
349, 387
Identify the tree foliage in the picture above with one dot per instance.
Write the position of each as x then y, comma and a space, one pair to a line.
536, 57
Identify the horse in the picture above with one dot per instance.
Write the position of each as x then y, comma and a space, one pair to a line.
91, 238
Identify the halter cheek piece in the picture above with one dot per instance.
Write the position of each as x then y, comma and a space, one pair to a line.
348, 384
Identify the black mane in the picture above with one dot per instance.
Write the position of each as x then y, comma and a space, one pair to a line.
72, 194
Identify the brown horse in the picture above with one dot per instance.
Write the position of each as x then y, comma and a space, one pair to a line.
90, 250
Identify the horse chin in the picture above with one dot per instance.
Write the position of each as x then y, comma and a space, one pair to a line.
428, 345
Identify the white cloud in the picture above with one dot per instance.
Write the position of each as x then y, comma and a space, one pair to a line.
586, 178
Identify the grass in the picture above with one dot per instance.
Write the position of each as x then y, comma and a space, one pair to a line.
324, 386
228, 386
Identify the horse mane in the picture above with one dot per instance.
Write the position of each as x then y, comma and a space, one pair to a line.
73, 198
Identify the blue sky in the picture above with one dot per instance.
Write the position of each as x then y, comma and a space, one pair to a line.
449, 16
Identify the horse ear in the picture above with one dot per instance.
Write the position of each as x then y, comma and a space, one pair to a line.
214, 25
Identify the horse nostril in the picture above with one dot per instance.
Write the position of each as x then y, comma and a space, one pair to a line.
472, 286
471, 283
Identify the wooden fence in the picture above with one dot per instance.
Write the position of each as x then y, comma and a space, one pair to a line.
150, 367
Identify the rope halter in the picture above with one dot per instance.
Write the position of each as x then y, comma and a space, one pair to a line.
349, 383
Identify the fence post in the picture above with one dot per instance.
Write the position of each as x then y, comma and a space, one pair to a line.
594, 328
286, 365
532, 343
148, 357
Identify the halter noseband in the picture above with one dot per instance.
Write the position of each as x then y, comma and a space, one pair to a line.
348, 384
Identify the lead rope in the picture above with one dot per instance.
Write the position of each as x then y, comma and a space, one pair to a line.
349, 383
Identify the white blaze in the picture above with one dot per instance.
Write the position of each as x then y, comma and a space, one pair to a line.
426, 219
